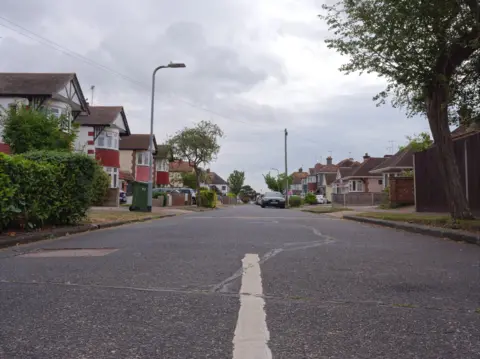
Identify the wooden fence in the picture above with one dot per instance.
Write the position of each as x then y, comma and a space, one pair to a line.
429, 191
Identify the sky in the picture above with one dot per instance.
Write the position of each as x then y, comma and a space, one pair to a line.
253, 67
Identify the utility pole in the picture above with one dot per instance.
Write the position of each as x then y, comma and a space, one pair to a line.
92, 88
286, 172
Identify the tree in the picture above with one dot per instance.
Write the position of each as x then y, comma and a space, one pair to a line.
419, 142
189, 180
27, 129
247, 193
235, 181
428, 52
198, 145
276, 184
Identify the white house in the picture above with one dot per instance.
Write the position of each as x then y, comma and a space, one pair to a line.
60, 93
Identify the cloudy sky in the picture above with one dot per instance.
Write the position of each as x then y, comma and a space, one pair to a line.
253, 67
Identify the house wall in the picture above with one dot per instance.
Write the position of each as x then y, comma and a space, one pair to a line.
162, 179
85, 140
373, 185
176, 179
141, 173
108, 158
126, 158
329, 193
401, 191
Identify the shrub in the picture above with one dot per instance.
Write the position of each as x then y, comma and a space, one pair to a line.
231, 195
310, 198
163, 195
295, 201
33, 194
100, 186
74, 183
208, 198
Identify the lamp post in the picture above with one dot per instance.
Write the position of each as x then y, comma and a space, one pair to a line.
171, 65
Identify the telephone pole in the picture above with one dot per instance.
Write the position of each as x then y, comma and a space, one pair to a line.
286, 171
93, 89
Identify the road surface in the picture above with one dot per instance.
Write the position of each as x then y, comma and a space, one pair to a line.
241, 283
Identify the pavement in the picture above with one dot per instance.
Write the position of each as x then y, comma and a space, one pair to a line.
241, 283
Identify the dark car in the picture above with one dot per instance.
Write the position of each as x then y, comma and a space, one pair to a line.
273, 199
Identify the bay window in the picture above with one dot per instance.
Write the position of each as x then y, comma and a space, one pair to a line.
144, 158
108, 140
113, 174
162, 165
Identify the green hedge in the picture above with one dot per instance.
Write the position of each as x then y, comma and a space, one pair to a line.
100, 186
208, 198
40, 188
310, 198
295, 201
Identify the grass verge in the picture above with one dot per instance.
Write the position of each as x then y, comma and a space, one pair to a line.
427, 220
322, 209
96, 217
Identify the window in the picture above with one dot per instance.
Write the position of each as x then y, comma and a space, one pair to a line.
380, 182
143, 158
355, 186
162, 165
113, 174
107, 139
224, 188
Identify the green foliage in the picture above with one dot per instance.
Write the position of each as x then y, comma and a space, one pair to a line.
74, 183
231, 195
418, 142
277, 184
208, 198
28, 130
414, 45
100, 186
163, 195
310, 198
198, 145
236, 181
295, 201
189, 180
247, 193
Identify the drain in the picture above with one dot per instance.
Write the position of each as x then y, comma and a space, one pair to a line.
69, 252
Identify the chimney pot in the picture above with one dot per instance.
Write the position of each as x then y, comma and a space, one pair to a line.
329, 160
366, 156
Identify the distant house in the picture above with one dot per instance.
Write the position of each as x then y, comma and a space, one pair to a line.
100, 134
311, 181
213, 181
176, 171
297, 186
321, 173
360, 179
59, 93
395, 165
135, 157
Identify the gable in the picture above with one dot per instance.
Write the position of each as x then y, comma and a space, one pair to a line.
119, 123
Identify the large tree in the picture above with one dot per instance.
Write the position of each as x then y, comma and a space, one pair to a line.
26, 129
276, 184
235, 181
198, 145
428, 53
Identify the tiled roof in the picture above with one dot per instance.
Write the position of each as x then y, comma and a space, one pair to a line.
125, 175
180, 166
348, 162
369, 164
102, 116
163, 151
326, 169
400, 160
330, 178
213, 178
311, 171
347, 171
33, 83
136, 142
298, 176
464, 130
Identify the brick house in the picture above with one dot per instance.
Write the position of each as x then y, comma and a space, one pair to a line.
395, 165
100, 134
59, 93
176, 170
297, 185
360, 178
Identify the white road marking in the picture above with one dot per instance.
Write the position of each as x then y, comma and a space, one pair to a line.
251, 334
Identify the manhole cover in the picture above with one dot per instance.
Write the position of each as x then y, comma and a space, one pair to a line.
70, 252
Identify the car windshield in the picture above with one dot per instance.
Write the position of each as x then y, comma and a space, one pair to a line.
273, 194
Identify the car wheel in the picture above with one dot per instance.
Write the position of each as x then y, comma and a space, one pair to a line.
263, 206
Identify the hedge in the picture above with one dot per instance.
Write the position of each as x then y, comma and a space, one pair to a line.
208, 198
295, 201
39, 188
310, 198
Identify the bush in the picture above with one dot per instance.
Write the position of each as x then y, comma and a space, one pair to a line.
231, 195
310, 198
100, 186
157, 195
295, 201
208, 198
74, 183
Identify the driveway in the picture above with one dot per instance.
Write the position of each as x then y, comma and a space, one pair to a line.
242, 283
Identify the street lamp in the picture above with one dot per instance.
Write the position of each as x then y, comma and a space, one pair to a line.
171, 65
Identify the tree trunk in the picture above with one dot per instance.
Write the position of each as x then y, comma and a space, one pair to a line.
437, 113
197, 177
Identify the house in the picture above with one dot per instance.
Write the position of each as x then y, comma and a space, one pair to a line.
396, 165
135, 158
321, 172
339, 185
213, 181
176, 171
297, 186
311, 181
360, 178
100, 133
60, 93
162, 166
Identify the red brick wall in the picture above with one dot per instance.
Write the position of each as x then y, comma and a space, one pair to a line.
163, 178
312, 187
4, 148
401, 190
108, 158
178, 199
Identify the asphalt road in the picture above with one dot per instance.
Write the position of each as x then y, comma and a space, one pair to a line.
170, 289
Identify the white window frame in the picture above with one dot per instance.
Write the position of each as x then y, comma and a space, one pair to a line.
162, 165
103, 139
114, 176
358, 184
144, 158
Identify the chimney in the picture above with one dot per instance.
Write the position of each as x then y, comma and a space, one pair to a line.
366, 156
329, 160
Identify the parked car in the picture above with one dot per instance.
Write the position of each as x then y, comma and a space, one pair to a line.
258, 201
191, 192
321, 199
273, 199
165, 190
123, 197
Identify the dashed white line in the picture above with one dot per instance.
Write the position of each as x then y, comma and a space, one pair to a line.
251, 334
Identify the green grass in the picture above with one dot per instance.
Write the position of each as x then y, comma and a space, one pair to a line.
477, 310
321, 209
425, 219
